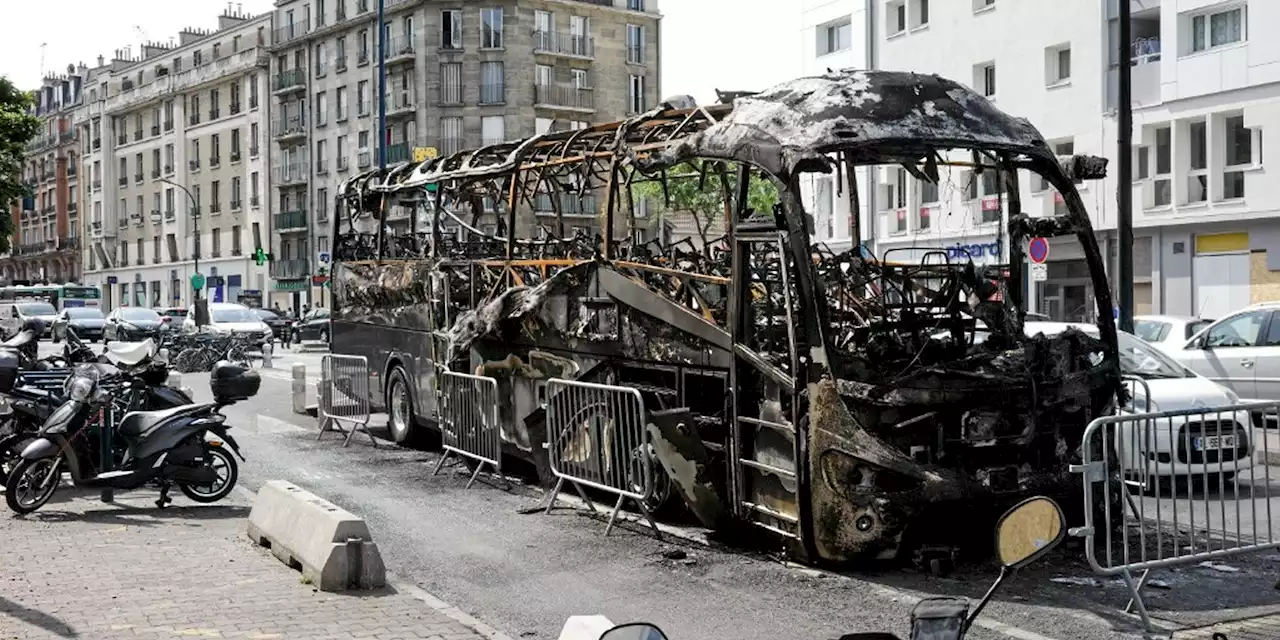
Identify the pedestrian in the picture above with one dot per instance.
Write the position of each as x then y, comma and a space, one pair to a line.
306, 308
276, 308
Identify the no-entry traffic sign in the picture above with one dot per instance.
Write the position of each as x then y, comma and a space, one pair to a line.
1038, 250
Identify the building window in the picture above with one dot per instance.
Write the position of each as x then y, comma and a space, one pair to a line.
1057, 61
1218, 29
491, 28
635, 97
450, 135
635, 44
979, 5
920, 17
1198, 177
984, 78
896, 17
362, 97
322, 109
451, 83
1163, 183
235, 240
990, 185
835, 37
635, 5
1239, 155
1142, 160
362, 43
451, 29
492, 86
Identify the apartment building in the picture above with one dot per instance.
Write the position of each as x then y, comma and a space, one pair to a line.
46, 238
459, 76
1206, 94
174, 139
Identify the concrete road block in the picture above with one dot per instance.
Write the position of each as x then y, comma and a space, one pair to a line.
331, 546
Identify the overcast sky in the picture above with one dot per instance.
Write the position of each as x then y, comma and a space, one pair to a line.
707, 44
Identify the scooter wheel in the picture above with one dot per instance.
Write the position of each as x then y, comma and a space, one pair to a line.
224, 463
22, 490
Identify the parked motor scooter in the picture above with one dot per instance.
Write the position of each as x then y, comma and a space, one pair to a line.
164, 448
1024, 534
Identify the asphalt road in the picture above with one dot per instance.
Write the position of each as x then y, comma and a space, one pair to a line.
525, 573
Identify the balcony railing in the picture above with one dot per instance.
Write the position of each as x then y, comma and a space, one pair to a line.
220, 69
564, 96
291, 220
399, 152
122, 138
401, 103
237, 204
563, 44
137, 177
68, 243
399, 48
289, 127
72, 171
290, 32
570, 204
291, 79
123, 181
493, 93
340, 64
290, 269
155, 173
290, 174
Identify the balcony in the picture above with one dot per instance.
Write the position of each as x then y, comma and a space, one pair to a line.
214, 161
291, 220
560, 44
291, 80
322, 167
290, 269
564, 96
214, 114
31, 248
401, 104
137, 177
175, 83
193, 165
235, 108
291, 128
72, 171
364, 159
1144, 75
215, 207
68, 243
237, 204
193, 120
399, 49
66, 136
123, 181
254, 201
72, 207
155, 130
137, 135
97, 143
155, 173
168, 125
340, 64
343, 163
122, 139
97, 185
291, 174
570, 205
235, 156
399, 152
290, 32
168, 169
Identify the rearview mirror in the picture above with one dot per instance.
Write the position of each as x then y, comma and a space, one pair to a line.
1028, 531
634, 631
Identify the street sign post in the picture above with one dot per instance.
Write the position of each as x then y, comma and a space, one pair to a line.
197, 281
1039, 272
1038, 250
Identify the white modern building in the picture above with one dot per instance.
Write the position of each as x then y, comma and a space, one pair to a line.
173, 139
1206, 94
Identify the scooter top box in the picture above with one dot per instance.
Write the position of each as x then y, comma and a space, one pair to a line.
232, 383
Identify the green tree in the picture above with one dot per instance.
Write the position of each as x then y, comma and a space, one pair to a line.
17, 128
704, 202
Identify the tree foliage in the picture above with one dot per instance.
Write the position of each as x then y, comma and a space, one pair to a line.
702, 199
17, 128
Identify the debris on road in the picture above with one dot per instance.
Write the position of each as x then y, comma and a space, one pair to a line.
1077, 581
1218, 566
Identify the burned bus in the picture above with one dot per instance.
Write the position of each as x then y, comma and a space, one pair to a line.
831, 400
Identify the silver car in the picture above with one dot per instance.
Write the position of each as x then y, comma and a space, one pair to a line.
1240, 352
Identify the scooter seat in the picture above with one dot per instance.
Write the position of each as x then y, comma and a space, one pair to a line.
21, 339
139, 423
130, 353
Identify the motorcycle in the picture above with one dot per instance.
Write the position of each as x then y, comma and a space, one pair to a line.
1024, 534
187, 446
24, 408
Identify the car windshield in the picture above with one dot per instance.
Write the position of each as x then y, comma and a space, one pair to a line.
1151, 330
232, 314
37, 309
138, 314
266, 314
1137, 358
174, 313
84, 314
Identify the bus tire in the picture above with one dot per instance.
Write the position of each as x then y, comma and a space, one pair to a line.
400, 418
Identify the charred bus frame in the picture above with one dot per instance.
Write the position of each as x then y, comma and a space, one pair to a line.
835, 399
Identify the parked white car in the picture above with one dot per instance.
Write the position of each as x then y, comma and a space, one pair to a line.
229, 317
1241, 352
1169, 333
1203, 444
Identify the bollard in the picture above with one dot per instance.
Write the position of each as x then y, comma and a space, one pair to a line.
299, 388
267, 348
174, 381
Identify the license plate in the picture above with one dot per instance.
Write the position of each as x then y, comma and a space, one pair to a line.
1214, 442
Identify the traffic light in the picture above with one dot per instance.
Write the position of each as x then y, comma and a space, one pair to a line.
261, 257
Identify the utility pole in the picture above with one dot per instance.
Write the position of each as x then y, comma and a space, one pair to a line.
1124, 190
197, 304
382, 85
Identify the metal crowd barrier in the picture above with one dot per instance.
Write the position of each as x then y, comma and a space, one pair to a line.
1170, 488
344, 396
469, 421
50, 380
597, 438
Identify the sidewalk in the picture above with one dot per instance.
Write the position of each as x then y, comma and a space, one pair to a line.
83, 569
1268, 452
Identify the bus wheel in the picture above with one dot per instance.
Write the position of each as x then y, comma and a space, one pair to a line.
400, 419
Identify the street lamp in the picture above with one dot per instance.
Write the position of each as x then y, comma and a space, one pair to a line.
202, 315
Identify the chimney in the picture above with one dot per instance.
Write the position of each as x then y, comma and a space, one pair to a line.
189, 35
101, 61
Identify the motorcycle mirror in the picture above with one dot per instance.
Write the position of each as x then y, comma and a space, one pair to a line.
1028, 531
634, 631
